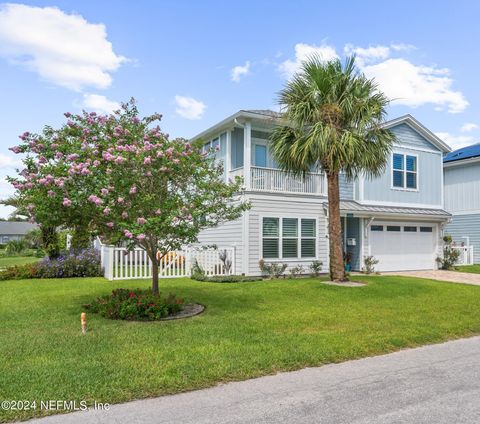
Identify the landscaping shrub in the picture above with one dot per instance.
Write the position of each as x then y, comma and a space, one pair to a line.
273, 270
450, 255
85, 263
296, 271
225, 278
15, 246
369, 263
136, 305
316, 268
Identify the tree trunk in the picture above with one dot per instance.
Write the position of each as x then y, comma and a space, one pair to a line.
155, 275
337, 269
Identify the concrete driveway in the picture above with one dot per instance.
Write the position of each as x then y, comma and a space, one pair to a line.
433, 384
451, 276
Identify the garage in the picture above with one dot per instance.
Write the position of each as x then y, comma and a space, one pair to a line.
403, 246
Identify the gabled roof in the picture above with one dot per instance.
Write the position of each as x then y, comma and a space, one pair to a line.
468, 152
270, 115
421, 129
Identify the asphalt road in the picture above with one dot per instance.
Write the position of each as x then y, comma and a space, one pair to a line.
433, 384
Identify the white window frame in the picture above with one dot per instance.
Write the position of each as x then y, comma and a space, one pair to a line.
404, 171
280, 237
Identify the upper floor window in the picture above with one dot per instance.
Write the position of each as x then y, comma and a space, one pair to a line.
404, 171
212, 144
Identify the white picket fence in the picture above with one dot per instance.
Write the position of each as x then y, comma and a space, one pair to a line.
466, 255
122, 264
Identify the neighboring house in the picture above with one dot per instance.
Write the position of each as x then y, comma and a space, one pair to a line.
398, 218
462, 196
14, 230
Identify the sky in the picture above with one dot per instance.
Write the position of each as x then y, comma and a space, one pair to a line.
197, 62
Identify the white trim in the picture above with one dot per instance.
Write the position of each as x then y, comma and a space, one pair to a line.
228, 154
404, 170
442, 187
280, 217
400, 204
246, 242
417, 149
247, 153
466, 212
460, 162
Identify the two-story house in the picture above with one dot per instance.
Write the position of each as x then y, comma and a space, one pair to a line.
398, 218
462, 196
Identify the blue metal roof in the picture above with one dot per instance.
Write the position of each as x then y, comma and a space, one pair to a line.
463, 153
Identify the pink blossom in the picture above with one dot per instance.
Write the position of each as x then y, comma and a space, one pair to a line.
96, 162
147, 160
15, 149
141, 237
94, 199
58, 155
133, 190
110, 224
158, 212
67, 114
104, 191
141, 220
119, 160
125, 215
120, 200
66, 201
106, 211
50, 193
128, 234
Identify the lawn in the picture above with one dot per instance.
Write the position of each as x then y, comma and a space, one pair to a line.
16, 260
247, 330
474, 269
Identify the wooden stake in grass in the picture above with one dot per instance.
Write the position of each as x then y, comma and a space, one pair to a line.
83, 320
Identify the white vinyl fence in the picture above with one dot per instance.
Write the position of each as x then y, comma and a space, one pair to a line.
122, 264
466, 255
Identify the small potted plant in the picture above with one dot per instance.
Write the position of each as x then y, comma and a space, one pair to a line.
347, 261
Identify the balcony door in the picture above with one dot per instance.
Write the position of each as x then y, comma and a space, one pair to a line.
260, 155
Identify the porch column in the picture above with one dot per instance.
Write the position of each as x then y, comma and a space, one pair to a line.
228, 155
247, 155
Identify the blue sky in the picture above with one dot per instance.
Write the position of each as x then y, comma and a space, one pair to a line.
197, 62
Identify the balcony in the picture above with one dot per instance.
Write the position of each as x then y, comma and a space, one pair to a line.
278, 181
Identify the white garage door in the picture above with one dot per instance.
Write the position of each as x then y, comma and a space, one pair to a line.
403, 246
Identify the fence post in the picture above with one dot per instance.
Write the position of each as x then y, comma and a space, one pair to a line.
109, 262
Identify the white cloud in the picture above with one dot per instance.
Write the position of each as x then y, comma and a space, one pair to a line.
402, 47
468, 126
367, 54
239, 71
455, 141
411, 85
302, 53
8, 161
62, 48
99, 103
189, 108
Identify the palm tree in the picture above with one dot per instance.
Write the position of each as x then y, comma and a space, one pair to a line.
332, 120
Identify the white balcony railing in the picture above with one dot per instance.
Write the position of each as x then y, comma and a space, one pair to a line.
276, 180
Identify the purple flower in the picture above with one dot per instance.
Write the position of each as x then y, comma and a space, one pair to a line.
141, 237
128, 234
66, 201
110, 224
147, 160
133, 190
141, 220
104, 191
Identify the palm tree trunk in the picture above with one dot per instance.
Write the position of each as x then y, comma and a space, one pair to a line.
337, 269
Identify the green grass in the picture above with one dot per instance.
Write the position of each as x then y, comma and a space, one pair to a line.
247, 330
16, 260
474, 269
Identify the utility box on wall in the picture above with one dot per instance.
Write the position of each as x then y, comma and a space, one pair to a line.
351, 241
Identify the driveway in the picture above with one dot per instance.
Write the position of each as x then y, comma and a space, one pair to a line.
432, 384
451, 276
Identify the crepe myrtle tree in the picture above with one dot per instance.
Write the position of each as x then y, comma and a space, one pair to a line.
127, 181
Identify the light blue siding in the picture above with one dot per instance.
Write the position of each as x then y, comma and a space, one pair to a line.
408, 137
462, 188
429, 182
466, 225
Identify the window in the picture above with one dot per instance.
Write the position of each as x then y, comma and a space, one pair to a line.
426, 229
393, 228
289, 238
212, 144
5, 239
260, 158
404, 173
376, 228
410, 229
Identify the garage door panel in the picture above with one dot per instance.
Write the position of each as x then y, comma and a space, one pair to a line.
403, 250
